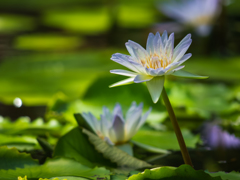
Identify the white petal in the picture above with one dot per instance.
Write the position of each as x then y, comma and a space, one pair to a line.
151, 71
124, 82
118, 127
185, 58
143, 119
123, 72
160, 71
155, 87
117, 110
132, 121
164, 38
184, 40
136, 51
124, 60
104, 123
185, 43
157, 42
181, 53
106, 114
131, 110
142, 78
138, 66
169, 46
150, 47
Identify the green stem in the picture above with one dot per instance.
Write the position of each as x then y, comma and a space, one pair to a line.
176, 128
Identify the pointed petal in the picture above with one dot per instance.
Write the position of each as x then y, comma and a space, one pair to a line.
157, 43
164, 38
181, 50
142, 78
104, 123
106, 114
124, 60
136, 51
169, 46
138, 66
132, 121
186, 74
184, 40
184, 58
123, 72
143, 119
181, 53
123, 82
155, 87
117, 110
150, 47
131, 110
118, 126
151, 71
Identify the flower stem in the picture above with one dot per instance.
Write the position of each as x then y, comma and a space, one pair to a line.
176, 128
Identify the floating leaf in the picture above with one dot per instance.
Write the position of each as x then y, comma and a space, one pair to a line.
185, 172
226, 176
76, 145
56, 168
165, 140
12, 159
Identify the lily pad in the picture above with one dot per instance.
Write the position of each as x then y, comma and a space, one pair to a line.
165, 140
184, 172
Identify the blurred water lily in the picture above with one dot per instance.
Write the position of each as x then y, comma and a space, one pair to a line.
151, 65
114, 127
199, 14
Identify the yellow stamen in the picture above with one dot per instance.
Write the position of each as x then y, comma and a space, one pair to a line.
155, 61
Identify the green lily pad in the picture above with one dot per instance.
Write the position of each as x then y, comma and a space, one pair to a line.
226, 176
184, 172
92, 20
56, 168
12, 159
47, 42
165, 140
76, 145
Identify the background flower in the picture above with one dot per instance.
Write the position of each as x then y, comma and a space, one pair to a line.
114, 127
199, 14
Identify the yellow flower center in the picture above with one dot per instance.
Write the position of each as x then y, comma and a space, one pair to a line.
155, 61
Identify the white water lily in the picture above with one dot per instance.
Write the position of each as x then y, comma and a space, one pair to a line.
151, 65
199, 14
114, 127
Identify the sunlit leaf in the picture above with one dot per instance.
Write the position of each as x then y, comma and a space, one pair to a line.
91, 20
226, 176
76, 145
12, 159
165, 140
55, 168
185, 172
47, 42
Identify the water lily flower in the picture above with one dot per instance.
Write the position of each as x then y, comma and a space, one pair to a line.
113, 127
152, 65
199, 14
